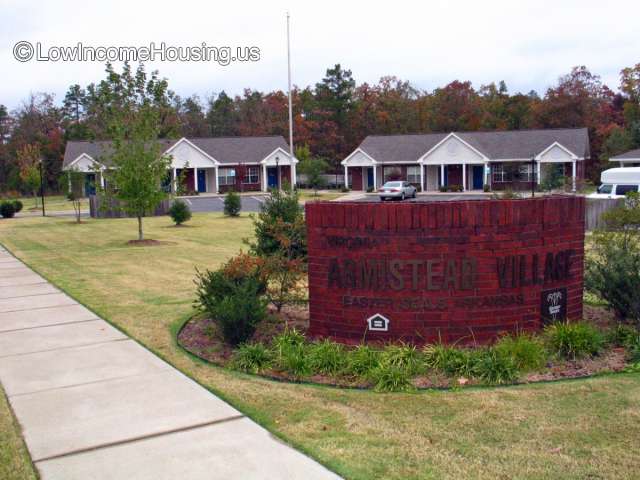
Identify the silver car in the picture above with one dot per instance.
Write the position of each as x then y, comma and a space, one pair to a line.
397, 189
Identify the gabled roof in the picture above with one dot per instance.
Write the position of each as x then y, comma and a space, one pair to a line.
226, 150
496, 145
630, 155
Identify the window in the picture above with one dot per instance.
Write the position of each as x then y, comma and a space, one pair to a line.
498, 172
623, 189
391, 173
526, 173
413, 174
226, 176
251, 175
605, 188
513, 172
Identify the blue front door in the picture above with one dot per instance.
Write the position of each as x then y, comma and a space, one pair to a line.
272, 177
370, 177
202, 181
478, 173
89, 184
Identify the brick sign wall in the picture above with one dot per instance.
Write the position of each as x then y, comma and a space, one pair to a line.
455, 271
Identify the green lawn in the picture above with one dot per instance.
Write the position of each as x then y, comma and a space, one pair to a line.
15, 463
570, 430
309, 195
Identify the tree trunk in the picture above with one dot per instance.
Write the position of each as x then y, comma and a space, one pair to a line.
140, 235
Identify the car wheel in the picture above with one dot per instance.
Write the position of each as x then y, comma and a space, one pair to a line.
415, 193
402, 197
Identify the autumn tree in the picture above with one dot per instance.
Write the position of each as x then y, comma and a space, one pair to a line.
29, 161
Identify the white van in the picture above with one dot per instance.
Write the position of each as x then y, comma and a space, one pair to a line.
616, 182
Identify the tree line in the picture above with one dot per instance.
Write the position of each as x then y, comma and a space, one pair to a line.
330, 118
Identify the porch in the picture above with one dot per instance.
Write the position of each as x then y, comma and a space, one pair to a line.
240, 178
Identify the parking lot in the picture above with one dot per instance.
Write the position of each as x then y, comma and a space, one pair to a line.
250, 203
436, 197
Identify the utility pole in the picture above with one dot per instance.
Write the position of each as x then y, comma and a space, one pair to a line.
290, 105
42, 187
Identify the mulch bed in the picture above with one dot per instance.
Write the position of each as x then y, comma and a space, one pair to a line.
149, 242
200, 336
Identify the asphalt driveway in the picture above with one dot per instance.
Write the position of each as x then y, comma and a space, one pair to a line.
250, 203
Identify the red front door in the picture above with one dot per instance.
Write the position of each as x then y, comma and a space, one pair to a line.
454, 175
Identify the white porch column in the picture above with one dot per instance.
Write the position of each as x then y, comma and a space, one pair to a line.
294, 180
175, 181
421, 178
464, 177
375, 178
216, 186
442, 174
539, 171
195, 179
346, 177
102, 178
486, 174
264, 177
573, 176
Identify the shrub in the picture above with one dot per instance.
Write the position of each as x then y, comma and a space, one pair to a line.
179, 212
232, 204
232, 296
252, 357
613, 272
391, 378
494, 368
291, 353
573, 340
213, 286
403, 356
17, 205
450, 360
633, 348
344, 189
283, 278
621, 335
279, 227
239, 313
361, 360
7, 210
326, 357
527, 352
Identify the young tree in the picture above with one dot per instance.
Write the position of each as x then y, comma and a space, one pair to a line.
314, 169
71, 183
138, 165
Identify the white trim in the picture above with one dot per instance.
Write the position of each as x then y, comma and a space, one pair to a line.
291, 160
559, 145
186, 140
84, 155
359, 150
441, 142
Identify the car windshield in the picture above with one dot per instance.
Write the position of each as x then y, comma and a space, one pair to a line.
392, 184
605, 188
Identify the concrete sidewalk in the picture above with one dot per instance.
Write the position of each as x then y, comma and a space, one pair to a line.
93, 403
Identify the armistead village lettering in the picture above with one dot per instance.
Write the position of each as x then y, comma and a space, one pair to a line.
444, 271
444, 275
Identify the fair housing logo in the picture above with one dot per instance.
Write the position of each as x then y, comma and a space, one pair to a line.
25, 51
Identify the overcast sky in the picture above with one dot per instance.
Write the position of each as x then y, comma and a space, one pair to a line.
430, 43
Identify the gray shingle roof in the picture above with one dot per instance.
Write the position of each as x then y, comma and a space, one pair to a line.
227, 150
630, 155
498, 145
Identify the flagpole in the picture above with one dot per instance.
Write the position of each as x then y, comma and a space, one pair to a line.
289, 82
